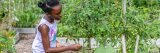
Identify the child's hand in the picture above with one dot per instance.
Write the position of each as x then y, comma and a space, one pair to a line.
75, 47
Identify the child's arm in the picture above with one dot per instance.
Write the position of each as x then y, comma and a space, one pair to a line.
44, 30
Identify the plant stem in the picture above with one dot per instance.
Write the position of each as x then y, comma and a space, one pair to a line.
89, 44
159, 50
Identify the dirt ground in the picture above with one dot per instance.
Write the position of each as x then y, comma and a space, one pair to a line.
24, 45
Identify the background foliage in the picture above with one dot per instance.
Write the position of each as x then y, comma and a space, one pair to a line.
26, 13
6, 34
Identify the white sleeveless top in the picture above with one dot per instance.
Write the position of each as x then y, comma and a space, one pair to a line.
37, 43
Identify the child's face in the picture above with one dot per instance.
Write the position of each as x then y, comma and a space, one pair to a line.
56, 12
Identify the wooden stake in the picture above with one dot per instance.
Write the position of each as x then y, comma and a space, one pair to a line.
123, 44
136, 46
124, 22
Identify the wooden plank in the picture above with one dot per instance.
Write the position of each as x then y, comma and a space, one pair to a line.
25, 30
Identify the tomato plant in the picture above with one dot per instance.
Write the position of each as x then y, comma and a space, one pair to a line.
103, 19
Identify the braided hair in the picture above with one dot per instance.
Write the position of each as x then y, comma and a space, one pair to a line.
46, 5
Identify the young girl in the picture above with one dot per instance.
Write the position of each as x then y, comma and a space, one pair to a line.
45, 40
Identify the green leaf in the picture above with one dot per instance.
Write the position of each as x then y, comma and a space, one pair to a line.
2, 39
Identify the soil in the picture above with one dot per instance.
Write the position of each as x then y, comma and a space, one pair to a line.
24, 45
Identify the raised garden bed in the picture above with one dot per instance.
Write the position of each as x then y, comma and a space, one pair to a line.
22, 30
25, 30
25, 43
25, 36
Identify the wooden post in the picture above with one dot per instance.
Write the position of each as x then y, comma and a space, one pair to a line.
136, 46
124, 22
123, 44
